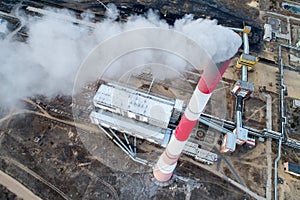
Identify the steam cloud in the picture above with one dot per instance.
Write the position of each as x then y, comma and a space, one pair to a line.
47, 63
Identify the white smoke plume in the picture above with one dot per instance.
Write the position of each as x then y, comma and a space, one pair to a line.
47, 63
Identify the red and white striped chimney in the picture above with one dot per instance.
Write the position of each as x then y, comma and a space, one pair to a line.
163, 170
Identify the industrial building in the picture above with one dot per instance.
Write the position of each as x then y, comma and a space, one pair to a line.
228, 143
268, 36
154, 118
242, 90
292, 168
124, 114
168, 122
141, 115
136, 113
192, 149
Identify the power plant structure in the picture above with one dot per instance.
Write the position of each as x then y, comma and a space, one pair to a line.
140, 115
127, 115
241, 90
169, 122
118, 107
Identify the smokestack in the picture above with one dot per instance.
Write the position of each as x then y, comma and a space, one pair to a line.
163, 170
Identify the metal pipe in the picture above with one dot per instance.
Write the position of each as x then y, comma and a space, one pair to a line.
115, 141
238, 119
104, 6
134, 145
127, 141
266, 133
239, 111
289, 47
246, 43
244, 73
244, 77
275, 168
106, 133
142, 161
136, 159
120, 141
163, 170
151, 84
281, 111
246, 51
252, 131
214, 125
236, 29
232, 125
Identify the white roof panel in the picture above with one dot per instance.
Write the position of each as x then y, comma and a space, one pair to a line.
134, 101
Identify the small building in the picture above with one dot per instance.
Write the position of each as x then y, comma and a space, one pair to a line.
296, 103
242, 135
193, 149
292, 168
229, 143
298, 43
294, 59
268, 32
243, 88
246, 60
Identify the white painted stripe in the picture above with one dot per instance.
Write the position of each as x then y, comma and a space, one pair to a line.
175, 146
161, 177
164, 167
196, 104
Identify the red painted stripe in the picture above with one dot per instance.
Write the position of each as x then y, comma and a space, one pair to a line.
209, 81
184, 128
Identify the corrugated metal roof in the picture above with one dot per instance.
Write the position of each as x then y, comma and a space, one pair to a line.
242, 133
134, 101
231, 141
249, 57
294, 168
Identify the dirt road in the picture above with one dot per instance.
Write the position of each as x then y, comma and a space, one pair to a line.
16, 187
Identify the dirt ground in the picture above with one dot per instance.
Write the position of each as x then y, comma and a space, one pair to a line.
6, 194
60, 158
252, 167
265, 75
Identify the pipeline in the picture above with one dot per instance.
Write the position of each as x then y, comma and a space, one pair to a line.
246, 51
223, 125
239, 111
275, 168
